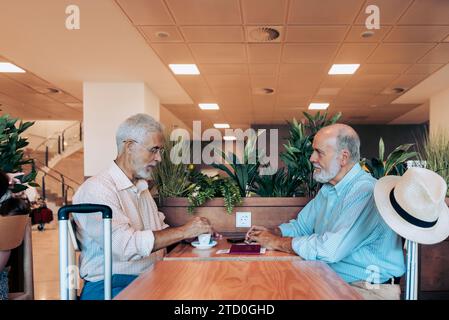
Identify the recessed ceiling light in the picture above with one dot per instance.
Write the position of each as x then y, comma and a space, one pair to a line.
221, 126
318, 106
162, 34
229, 138
263, 91
184, 68
367, 34
208, 106
343, 68
10, 68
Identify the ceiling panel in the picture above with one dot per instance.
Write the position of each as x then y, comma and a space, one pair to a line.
360, 90
323, 12
263, 81
264, 12
390, 10
399, 53
353, 100
146, 12
205, 12
371, 80
417, 34
169, 33
264, 53
228, 81
315, 33
292, 100
197, 88
439, 54
383, 99
303, 69
407, 81
424, 68
213, 34
354, 53
379, 68
338, 81
263, 68
311, 53
173, 52
264, 101
223, 68
233, 97
219, 53
426, 12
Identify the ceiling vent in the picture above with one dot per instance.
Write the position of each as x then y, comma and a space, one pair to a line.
263, 91
397, 90
264, 34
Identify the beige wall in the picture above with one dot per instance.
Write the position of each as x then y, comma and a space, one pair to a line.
106, 105
439, 112
43, 129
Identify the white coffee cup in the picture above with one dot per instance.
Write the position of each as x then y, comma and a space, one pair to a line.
204, 239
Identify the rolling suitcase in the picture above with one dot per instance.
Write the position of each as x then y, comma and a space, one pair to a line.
67, 253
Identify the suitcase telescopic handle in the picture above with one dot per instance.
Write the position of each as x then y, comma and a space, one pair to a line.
63, 217
64, 212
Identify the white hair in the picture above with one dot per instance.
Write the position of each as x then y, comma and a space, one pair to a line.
137, 128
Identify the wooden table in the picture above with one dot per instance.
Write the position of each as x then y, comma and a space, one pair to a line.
187, 252
238, 280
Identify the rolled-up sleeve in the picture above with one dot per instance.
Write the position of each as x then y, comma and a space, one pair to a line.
127, 243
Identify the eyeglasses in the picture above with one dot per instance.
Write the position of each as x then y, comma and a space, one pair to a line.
153, 150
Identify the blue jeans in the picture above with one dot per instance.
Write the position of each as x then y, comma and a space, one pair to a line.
95, 290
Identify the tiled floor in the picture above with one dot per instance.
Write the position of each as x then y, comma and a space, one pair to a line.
45, 262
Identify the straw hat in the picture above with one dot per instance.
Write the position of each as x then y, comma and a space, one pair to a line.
414, 205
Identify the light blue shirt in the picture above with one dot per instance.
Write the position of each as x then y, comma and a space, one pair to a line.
342, 227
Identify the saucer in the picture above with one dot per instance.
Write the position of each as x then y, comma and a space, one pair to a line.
197, 245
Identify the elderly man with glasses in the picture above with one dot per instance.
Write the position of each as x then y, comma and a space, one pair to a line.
139, 234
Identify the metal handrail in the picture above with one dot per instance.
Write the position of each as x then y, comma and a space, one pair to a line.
58, 136
64, 187
59, 173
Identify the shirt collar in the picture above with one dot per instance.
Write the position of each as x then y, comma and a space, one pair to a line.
347, 179
122, 181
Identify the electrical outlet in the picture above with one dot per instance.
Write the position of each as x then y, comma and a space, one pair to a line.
243, 219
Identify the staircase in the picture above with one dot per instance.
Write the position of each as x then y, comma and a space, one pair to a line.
55, 159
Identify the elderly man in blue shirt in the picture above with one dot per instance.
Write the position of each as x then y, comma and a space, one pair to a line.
341, 225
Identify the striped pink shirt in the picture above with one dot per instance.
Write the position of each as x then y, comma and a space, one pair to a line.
134, 218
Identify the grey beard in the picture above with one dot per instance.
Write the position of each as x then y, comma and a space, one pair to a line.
325, 176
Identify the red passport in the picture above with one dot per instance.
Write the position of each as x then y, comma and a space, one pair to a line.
245, 249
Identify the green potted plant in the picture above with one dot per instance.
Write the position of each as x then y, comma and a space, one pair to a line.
299, 149
394, 164
435, 154
12, 158
216, 198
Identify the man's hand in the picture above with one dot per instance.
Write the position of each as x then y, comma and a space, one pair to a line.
254, 229
12, 177
197, 226
271, 241
276, 231
191, 229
